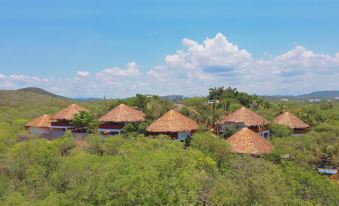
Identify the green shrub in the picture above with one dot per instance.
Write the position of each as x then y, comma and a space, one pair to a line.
230, 130
278, 130
95, 144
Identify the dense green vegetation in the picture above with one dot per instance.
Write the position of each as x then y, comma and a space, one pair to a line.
135, 169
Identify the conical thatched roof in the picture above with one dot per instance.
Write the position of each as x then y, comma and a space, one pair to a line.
68, 113
123, 113
246, 116
42, 121
172, 121
249, 142
290, 120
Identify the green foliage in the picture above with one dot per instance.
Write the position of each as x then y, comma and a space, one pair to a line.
232, 94
112, 145
278, 130
185, 111
133, 129
95, 144
326, 105
312, 117
212, 146
230, 130
311, 187
85, 119
251, 181
65, 143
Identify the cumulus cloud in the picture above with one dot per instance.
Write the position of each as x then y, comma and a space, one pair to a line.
196, 67
131, 70
82, 74
217, 61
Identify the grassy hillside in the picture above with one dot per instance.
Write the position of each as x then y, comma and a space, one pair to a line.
17, 107
16, 98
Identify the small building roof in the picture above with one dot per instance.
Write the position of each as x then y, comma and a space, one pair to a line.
290, 120
68, 113
123, 113
245, 116
42, 121
172, 121
248, 142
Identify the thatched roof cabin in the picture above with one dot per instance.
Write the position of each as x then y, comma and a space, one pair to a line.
248, 142
43, 121
173, 122
290, 120
68, 113
246, 117
123, 113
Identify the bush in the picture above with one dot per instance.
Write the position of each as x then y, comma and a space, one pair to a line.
230, 130
278, 130
65, 143
211, 145
112, 144
95, 144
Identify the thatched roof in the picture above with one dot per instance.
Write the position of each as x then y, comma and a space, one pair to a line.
172, 121
249, 142
68, 113
42, 121
245, 116
290, 120
123, 113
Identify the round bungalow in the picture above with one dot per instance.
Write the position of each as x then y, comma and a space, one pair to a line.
62, 119
173, 124
40, 126
244, 117
248, 142
290, 120
113, 122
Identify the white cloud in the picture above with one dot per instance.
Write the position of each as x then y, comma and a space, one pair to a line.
115, 72
82, 74
219, 62
196, 67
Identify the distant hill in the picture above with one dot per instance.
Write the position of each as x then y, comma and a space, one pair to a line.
30, 96
312, 95
39, 91
320, 95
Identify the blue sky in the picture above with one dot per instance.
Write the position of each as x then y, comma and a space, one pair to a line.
61, 45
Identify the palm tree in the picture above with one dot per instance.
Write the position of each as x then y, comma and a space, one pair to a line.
215, 93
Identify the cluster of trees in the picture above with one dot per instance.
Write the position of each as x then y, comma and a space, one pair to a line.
142, 171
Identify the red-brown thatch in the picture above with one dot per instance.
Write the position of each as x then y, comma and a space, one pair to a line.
248, 142
171, 122
123, 113
43, 121
290, 120
245, 116
68, 113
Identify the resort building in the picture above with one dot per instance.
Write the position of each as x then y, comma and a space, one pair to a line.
113, 122
40, 126
174, 124
61, 120
244, 117
290, 120
248, 142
